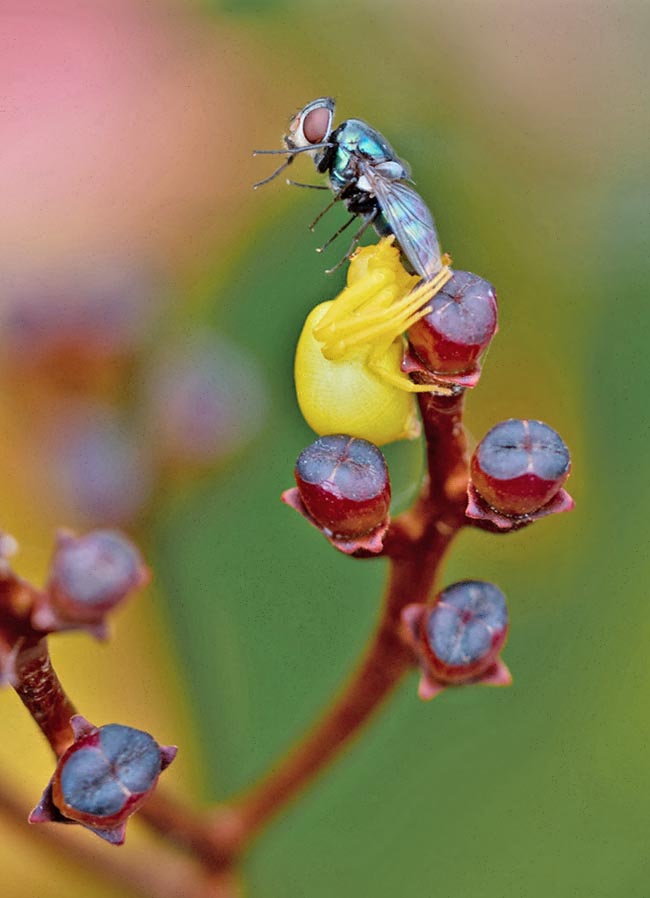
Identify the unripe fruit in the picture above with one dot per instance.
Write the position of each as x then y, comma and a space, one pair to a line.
103, 778
344, 485
519, 466
93, 573
464, 631
462, 322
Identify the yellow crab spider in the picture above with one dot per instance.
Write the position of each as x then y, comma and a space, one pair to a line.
348, 374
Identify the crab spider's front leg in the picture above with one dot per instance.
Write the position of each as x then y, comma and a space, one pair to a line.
348, 361
377, 364
364, 316
349, 300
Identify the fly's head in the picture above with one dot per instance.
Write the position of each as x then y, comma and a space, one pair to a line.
311, 126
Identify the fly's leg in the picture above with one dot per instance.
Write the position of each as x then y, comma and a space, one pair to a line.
281, 168
308, 186
343, 227
337, 197
355, 240
290, 153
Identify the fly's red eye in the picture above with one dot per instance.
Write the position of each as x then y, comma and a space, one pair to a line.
316, 124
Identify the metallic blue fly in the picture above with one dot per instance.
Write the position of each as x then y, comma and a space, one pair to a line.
368, 177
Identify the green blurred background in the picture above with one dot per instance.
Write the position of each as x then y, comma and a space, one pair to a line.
129, 129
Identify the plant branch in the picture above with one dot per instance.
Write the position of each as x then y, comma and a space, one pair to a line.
28, 667
447, 452
385, 662
40, 690
416, 544
190, 830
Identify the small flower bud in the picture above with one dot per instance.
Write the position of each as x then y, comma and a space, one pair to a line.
520, 466
463, 320
464, 631
344, 485
89, 576
103, 778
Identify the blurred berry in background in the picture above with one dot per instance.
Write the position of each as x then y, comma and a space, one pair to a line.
205, 399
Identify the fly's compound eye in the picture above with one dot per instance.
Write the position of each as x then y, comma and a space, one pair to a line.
316, 125
313, 124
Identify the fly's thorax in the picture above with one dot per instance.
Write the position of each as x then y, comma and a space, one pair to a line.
356, 136
357, 148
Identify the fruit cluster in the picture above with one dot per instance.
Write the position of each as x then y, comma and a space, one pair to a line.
514, 477
104, 774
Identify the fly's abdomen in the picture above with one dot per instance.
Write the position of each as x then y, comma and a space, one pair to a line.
381, 226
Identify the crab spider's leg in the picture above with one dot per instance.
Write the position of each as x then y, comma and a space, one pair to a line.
383, 318
386, 326
403, 314
350, 298
370, 311
402, 381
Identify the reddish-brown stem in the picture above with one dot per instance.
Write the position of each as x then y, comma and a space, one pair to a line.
29, 669
385, 662
27, 661
40, 690
416, 544
188, 829
447, 452
143, 873
36, 683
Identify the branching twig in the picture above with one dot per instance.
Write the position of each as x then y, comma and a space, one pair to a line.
417, 543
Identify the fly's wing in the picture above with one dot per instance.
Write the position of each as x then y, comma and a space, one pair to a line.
409, 219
